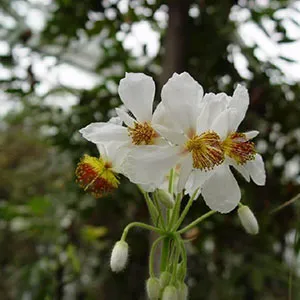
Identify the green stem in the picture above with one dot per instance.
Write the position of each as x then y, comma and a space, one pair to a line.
152, 209
175, 211
197, 221
164, 254
171, 179
185, 211
158, 207
151, 256
176, 259
141, 225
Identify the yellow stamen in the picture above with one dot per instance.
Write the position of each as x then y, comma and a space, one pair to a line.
142, 134
95, 176
237, 147
206, 150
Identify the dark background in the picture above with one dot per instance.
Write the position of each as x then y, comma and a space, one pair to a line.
55, 241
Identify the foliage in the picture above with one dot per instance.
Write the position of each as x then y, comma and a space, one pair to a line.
55, 241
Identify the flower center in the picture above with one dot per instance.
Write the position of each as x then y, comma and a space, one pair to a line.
142, 134
95, 176
237, 147
206, 150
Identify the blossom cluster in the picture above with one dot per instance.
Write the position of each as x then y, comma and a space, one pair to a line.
192, 134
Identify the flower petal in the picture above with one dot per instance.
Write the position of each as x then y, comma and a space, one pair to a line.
150, 164
124, 116
251, 134
185, 171
240, 168
172, 136
216, 103
182, 96
222, 123
104, 132
115, 153
196, 180
137, 93
257, 171
221, 191
240, 102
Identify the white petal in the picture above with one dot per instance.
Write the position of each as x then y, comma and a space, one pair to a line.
137, 93
161, 116
196, 180
115, 120
256, 168
203, 119
174, 137
124, 116
182, 95
222, 123
251, 134
239, 101
115, 153
221, 191
241, 169
185, 171
104, 132
150, 164
216, 103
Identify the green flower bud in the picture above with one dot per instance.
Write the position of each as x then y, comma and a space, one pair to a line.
164, 279
182, 291
153, 288
165, 198
248, 220
170, 293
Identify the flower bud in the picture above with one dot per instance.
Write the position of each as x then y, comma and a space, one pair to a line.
153, 288
119, 256
165, 198
182, 291
248, 219
170, 293
164, 279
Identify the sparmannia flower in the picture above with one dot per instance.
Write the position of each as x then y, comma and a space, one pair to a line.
219, 188
99, 175
136, 91
192, 144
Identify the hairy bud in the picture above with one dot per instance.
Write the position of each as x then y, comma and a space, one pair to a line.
170, 293
164, 279
165, 198
248, 220
153, 288
119, 256
182, 291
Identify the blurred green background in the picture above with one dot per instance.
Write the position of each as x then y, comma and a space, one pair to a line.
61, 62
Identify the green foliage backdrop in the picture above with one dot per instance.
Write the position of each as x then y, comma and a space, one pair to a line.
55, 240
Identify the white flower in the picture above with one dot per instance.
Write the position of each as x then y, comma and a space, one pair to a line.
193, 144
119, 256
219, 188
137, 93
